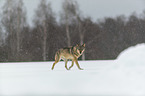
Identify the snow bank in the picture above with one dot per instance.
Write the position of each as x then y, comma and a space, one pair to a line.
133, 56
126, 77
130, 70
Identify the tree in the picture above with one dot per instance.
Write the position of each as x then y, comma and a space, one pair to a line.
45, 21
1, 35
21, 23
14, 20
68, 17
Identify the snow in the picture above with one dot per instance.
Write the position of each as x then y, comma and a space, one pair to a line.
122, 77
133, 55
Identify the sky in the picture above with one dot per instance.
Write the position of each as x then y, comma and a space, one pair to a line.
96, 9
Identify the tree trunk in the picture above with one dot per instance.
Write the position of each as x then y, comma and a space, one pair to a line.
81, 33
18, 35
67, 27
82, 42
44, 41
68, 35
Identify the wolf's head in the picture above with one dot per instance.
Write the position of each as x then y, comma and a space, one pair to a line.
80, 48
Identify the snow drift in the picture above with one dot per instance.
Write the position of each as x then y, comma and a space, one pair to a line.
133, 56
128, 73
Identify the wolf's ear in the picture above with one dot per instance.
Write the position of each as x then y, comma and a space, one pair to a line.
84, 45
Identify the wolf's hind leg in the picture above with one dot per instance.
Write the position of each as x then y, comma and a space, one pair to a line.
57, 59
53, 65
66, 64
71, 64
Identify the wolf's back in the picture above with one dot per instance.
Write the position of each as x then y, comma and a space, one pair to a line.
62, 52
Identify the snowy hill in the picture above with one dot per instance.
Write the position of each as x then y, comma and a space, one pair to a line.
124, 77
133, 55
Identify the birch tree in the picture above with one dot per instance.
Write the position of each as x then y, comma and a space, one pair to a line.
73, 21
68, 16
44, 20
13, 21
21, 23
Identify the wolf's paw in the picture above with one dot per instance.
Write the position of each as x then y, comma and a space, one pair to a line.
67, 68
81, 69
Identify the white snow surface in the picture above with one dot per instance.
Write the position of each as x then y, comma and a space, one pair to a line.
122, 77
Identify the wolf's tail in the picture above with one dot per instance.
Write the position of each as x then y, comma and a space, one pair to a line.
57, 56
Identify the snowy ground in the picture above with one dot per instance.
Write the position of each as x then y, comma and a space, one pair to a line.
122, 77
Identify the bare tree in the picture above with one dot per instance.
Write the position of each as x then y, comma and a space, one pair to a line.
1, 35
7, 21
44, 19
68, 16
21, 23
74, 27
14, 20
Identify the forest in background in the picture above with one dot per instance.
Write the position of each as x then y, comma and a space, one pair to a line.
104, 39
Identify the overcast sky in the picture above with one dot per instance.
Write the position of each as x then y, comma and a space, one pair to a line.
97, 9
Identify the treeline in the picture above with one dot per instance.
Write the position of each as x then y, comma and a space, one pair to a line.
104, 39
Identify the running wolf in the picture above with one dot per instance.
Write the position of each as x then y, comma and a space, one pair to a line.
69, 53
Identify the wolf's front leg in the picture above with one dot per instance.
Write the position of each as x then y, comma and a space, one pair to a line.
71, 64
53, 65
76, 61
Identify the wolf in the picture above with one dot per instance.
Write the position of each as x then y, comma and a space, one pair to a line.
69, 53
